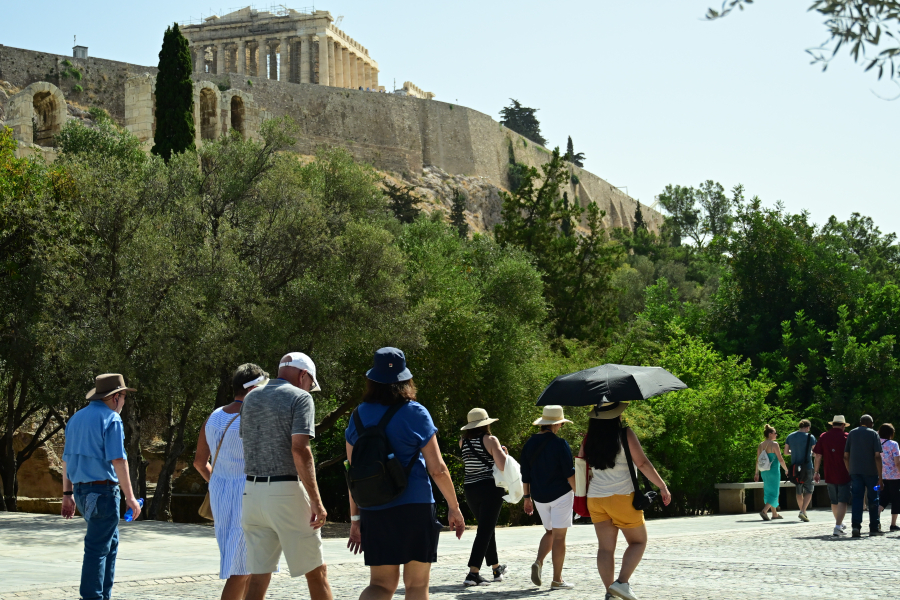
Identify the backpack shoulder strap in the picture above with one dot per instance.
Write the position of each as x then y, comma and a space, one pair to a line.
478, 455
390, 414
358, 420
634, 479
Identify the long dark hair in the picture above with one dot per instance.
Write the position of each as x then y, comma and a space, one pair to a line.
389, 393
603, 442
476, 432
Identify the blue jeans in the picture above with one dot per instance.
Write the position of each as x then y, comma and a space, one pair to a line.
99, 505
864, 485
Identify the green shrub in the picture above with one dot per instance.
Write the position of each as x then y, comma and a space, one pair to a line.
78, 89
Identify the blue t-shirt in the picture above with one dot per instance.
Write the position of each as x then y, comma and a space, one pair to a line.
95, 437
408, 431
548, 472
797, 443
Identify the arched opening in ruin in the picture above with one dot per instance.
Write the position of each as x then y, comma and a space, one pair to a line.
237, 114
46, 121
208, 113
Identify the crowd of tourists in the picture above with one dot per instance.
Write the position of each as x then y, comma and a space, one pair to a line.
264, 499
860, 468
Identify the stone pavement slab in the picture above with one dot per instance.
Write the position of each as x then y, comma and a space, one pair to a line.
724, 556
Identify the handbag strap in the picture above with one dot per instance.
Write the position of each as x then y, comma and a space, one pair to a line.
634, 479
480, 456
219, 447
808, 442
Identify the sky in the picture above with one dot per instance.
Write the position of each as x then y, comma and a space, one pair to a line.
649, 91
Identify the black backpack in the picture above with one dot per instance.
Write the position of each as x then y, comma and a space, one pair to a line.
376, 476
801, 473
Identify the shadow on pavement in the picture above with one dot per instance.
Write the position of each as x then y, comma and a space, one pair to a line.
495, 592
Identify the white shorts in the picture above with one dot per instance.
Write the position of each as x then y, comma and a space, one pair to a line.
275, 519
557, 514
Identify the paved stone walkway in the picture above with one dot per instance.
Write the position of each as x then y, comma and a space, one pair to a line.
720, 557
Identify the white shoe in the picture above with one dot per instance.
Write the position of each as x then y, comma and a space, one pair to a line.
622, 590
843, 527
536, 569
561, 585
838, 531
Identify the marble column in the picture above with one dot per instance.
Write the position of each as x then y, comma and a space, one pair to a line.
332, 69
345, 55
338, 65
220, 58
241, 57
305, 43
374, 78
367, 76
354, 72
324, 67
360, 76
284, 48
199, 59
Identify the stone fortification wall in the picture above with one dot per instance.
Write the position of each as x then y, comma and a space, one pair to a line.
403, 135
102, 81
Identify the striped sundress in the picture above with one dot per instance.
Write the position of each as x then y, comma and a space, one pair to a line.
226, 490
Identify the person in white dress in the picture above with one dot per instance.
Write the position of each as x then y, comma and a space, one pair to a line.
225, 474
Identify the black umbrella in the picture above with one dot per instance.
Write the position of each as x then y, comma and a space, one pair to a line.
609, 383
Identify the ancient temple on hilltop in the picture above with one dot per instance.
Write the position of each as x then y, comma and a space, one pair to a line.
298, 46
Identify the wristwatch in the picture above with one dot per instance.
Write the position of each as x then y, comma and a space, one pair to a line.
526, 496
68, 493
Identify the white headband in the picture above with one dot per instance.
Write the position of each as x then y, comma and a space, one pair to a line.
259, 379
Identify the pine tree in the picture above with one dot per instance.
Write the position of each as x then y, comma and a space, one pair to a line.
458, 214
575, 159
639, 222
521, 119
402, 202
174, 97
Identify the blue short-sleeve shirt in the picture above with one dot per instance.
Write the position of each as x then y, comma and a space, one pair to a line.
408, 431
798, 442
95, 437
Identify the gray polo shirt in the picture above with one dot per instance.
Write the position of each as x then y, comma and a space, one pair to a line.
270, 416
797, 442
863, 444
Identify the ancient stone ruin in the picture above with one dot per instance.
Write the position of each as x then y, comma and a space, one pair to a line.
36, 114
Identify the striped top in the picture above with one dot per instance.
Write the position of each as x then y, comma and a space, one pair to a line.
476, 469
230, 462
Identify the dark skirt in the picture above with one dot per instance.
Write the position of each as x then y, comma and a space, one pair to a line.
398, 535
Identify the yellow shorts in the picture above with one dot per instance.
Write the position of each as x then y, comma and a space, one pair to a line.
618, 508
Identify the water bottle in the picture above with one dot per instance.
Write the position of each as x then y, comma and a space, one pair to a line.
129, 517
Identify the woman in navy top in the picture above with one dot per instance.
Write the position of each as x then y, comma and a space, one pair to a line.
405, 530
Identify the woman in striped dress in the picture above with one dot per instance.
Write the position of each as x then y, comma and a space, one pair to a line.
481, 451
226, 480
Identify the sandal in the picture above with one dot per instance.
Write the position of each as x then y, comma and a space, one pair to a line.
764, 516
777, 517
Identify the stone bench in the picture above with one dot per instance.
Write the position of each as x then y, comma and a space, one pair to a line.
732, 496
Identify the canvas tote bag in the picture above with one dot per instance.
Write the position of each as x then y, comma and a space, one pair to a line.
205, 509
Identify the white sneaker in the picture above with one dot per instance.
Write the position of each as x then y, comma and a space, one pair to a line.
561, 585
843, 527
838, 531
536, 569
622, 590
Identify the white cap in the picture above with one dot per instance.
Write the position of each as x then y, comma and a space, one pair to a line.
304, 363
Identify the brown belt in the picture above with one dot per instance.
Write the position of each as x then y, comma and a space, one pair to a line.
100, 482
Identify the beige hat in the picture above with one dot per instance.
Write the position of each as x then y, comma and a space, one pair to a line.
478, 417
552, 415
608, 410
106, 385
838, 420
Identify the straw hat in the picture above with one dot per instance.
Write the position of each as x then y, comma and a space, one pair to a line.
552, 415
478, 417
838, 420
608, 410
106, 385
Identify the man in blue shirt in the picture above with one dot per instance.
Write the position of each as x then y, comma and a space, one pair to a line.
796, 444
94, 468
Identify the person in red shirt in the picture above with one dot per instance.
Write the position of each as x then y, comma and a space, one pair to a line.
830, 450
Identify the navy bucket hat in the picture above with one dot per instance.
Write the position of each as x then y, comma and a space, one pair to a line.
389, 366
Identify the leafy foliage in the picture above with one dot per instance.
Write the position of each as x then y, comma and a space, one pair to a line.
571, 156
402, 201
458, 213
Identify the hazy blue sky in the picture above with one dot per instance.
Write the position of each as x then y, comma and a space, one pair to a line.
650, 92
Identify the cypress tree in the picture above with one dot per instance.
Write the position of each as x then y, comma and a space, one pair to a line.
174, 97
457, 213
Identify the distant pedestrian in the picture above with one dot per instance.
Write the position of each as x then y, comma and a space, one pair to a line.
771, 476
95, 468
282, 510
799, 446
480, 452
610, 496
890, 473
829, 452
220, 442
862, 457
548, 475
403, 531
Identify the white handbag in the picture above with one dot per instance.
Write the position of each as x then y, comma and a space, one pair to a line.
763, 462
